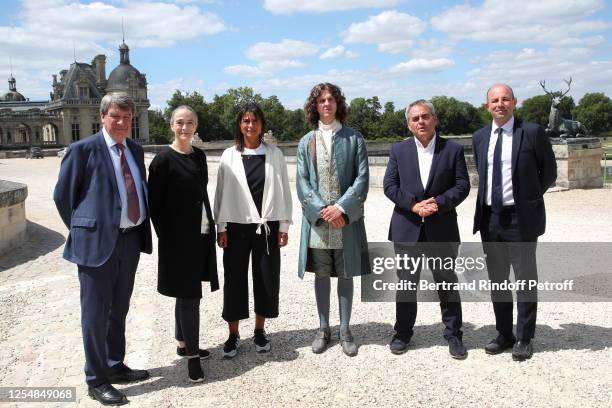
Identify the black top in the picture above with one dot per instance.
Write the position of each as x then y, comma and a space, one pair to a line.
177, 192
255, 170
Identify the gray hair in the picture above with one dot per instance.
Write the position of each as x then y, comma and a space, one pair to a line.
120, 99
422, 102
183, 107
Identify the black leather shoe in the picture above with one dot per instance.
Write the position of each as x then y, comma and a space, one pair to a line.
498, 345
106, 394
398, 345
127, 375
523, 350
456, 348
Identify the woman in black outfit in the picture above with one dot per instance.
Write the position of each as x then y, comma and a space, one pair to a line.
253, 213
182, 218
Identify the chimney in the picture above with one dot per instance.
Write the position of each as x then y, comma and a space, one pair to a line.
100, 63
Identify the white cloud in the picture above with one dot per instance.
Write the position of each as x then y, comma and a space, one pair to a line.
422, 65
159, 93
545, 21
322, 6
338, 52
265, 68
393, 31
273, 58
524, 69
49, 34
283, 50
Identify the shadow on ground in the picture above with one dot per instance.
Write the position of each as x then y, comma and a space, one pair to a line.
572, 336
41, 240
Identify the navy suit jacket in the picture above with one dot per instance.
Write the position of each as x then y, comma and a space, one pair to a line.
88, 201
448, 183
534, 170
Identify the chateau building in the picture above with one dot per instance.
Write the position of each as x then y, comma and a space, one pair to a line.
73, 111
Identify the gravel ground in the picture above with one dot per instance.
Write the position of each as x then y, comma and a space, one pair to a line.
40, 343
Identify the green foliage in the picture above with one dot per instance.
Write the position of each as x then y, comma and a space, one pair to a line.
392, 124
594, 110
537, 109
216, 119
364, 116
455, 117
159, 127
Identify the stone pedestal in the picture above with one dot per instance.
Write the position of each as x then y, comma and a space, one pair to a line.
578, 162
12, 215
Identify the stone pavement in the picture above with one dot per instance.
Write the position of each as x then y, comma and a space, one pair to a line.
40, 338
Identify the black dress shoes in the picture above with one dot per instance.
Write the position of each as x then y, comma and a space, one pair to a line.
106, 394
499, 345
127, 375
456, 349
523, 350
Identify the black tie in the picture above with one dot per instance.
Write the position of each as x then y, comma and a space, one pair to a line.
497, 201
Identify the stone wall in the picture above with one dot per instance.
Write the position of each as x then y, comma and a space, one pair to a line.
12, 214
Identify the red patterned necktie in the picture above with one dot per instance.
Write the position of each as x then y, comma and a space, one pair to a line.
132, 196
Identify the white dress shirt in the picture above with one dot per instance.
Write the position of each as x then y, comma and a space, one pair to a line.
328, 132
425, 154
506, 162
116, 160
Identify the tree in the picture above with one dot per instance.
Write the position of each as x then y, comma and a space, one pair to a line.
537, 109
209, 125
364, 116
594, 110
294, 125
455, 117
159, 127
274, 112
392, 123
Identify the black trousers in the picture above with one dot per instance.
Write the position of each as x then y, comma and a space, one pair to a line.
406, 300
105, 300
243, 243
500, 240
187, 324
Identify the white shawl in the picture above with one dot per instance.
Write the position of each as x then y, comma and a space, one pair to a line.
233, 200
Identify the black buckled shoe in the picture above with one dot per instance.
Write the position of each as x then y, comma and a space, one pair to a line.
499, 345
523, 350
127, 375
106, 394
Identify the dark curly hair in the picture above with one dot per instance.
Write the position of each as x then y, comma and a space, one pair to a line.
254, 109
310, 107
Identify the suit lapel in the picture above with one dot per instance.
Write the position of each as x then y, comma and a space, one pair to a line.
412, 159
106, 159
517, 139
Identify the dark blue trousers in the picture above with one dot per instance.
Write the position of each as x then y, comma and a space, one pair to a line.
505, 246
105, 300
406, 300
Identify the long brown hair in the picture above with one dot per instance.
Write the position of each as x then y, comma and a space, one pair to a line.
310, 107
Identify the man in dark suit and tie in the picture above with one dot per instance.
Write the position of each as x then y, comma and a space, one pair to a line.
515, 165
427, 179
101, 197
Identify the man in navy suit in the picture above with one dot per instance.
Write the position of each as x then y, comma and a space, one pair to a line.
427, 179
516, 165
101, 197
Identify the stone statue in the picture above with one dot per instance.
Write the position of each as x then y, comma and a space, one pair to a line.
558, 126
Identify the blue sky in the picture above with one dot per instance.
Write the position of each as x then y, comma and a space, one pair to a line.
398, 50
